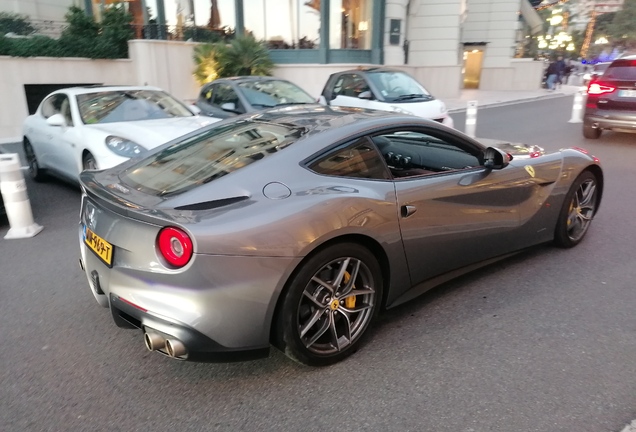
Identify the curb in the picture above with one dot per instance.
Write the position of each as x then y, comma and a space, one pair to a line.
513, 102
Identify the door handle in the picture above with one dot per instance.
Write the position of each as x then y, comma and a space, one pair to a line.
408, 210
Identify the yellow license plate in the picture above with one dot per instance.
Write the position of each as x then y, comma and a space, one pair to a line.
101, 247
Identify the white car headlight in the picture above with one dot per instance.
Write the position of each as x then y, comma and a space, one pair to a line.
123, 147
397, 109
442, 108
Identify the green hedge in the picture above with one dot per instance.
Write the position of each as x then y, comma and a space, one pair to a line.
83, 37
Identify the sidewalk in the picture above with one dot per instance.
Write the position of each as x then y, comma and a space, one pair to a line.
486, 98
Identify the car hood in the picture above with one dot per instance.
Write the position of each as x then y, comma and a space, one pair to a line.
517, 150
430, 109
152, 133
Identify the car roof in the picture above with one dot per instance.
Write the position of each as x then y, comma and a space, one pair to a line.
240, 79
363, 69
99, 89
316, 118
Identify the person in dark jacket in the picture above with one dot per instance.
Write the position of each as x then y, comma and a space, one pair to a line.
552, 74
555, 73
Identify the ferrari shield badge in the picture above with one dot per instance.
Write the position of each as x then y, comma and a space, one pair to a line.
530, 170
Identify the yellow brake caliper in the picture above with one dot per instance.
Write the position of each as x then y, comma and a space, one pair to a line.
350, 302
570, 212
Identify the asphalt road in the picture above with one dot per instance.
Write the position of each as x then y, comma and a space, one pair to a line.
545, 341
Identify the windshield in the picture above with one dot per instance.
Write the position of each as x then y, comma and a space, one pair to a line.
394, 86
271, 93
129, 105
209, 156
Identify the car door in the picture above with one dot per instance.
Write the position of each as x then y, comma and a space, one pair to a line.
453, 210
45, 138
62, 139
347, 89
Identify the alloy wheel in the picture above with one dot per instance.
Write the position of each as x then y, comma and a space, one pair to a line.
581, 210
336, 306
35, 171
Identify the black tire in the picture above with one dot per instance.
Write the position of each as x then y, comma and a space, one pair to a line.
578, 210
35, 172
316, 327
89, 162
591, 133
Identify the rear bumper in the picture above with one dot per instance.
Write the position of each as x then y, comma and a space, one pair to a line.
617, 120
220, 307
201, 348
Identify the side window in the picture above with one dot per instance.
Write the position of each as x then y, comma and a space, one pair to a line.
225, 94
359, 159
350, 85
52, 105
66, 111
415, 153
58, 104
207, 93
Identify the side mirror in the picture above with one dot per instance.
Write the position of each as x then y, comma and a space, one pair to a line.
366, 95
495, 158
56, 120
229, 106
195, 109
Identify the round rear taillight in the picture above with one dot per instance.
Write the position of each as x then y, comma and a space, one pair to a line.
175, 246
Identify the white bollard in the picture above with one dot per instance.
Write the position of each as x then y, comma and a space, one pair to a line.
577, 108
16, 200
471, 119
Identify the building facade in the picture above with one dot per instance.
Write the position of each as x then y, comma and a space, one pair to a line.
447, 45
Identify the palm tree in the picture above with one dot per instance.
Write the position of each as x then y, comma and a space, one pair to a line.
206, 65
243, 56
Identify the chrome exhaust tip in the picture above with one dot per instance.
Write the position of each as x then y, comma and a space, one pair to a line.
175, 348
154, 341
594, 125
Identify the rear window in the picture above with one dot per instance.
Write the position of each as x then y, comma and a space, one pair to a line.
208, 156
622, 70
600, 67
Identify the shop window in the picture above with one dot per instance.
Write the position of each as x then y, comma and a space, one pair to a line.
284, 24
350, 24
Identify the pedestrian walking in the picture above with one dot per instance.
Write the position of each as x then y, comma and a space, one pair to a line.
561, 68
555, 73
552, 75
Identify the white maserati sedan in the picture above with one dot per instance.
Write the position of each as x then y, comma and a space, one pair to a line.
99, 127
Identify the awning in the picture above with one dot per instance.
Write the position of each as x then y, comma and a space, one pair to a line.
531, 17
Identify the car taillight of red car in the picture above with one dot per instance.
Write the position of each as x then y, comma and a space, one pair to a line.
597, 88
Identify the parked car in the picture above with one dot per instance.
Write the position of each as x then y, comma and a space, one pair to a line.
99, 127
386, 90
297, 225
595, 72
228, 97
611, 100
